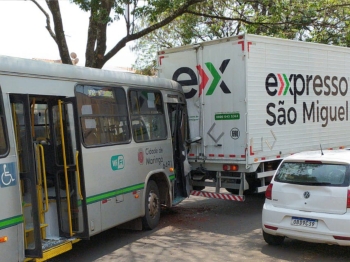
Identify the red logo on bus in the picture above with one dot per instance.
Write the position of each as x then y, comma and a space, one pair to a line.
140, 156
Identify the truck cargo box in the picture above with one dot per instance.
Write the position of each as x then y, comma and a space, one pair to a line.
255, 100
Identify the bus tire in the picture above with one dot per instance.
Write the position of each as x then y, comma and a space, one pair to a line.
152, 206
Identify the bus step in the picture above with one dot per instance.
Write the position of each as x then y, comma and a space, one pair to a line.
55, 247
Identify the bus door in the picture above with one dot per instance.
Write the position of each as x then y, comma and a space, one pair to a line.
178, 125
70, 189
28, 177
54, 207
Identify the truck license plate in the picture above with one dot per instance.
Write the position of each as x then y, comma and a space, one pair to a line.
304, 222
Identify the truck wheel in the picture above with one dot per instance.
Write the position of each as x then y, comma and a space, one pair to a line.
273, 240
152, 206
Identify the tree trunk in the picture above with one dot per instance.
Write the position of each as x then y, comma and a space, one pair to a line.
54, 7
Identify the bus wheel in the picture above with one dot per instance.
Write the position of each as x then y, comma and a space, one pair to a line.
152, 206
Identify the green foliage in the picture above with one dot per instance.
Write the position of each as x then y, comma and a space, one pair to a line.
178, 33
83, 4
98, 11
145, 63
322, 21
160, 24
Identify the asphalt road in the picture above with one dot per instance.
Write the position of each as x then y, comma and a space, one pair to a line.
201, 229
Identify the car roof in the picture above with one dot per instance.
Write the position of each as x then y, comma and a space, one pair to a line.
333, 156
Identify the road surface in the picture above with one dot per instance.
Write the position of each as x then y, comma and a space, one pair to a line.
201, 229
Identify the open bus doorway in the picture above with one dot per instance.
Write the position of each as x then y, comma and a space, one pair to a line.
53, 205
179, 132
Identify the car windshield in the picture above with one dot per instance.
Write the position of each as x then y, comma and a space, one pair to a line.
313, 174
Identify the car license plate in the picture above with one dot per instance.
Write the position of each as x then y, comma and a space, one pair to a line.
304, 222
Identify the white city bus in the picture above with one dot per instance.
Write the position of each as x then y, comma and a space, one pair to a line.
83, 150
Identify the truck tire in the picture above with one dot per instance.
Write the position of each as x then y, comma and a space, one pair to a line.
152, 206
273, 240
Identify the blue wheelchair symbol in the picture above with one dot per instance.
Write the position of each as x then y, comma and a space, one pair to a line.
8, 175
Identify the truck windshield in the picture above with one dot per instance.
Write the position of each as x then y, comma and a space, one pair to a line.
313, 174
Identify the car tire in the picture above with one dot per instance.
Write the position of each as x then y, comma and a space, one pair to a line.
273, 240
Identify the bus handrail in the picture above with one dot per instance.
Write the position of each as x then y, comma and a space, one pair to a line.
46, 125
33, 117
43, 172
15, 127
65, 166
78, 173
138, 110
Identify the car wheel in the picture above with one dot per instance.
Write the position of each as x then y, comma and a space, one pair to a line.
152, 206
273, 240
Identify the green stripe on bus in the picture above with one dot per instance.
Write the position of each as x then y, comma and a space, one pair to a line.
12, 221
121, 191
172, 177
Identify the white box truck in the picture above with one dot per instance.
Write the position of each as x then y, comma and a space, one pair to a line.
254, 100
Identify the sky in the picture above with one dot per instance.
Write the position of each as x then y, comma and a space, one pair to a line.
23, 33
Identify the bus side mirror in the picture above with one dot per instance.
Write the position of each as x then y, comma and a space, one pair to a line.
196, 139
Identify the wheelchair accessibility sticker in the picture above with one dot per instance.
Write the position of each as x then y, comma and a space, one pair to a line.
8, 175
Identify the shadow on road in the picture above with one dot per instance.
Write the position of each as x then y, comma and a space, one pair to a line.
200, 229
178, 226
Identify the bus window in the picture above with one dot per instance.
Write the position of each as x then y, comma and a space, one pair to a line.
3, 140
147, 115
41, 121
103, 115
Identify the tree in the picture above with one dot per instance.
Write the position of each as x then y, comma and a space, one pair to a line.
322, 21
103, 12
163, 23
177, 33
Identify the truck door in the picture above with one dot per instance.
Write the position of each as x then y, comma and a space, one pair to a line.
178, 125
54, 207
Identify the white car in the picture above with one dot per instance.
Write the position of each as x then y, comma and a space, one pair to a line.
309, 199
